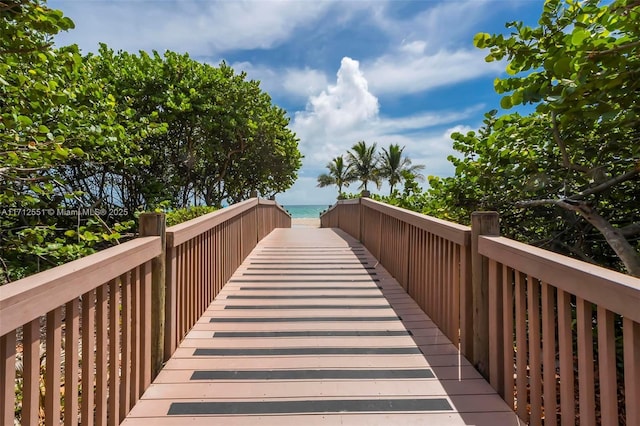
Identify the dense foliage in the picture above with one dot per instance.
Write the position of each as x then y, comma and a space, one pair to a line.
87, 141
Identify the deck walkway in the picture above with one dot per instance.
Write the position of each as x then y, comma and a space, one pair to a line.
312, 331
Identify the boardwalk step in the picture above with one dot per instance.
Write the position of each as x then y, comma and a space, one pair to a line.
302, 307
324, 274
285, 288
321, 406
336, 333
409, 350
307, 296
423, 373
302, 268
301, 319
308, 263
350, 280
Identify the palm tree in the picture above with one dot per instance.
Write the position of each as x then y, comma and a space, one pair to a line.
394, 167
364, 162
339, 175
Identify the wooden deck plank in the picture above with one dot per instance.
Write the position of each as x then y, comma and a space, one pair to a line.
287, 341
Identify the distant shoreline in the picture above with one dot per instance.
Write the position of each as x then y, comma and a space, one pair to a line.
309, 211
305, 223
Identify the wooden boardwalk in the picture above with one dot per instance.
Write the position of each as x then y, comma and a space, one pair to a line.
312, 331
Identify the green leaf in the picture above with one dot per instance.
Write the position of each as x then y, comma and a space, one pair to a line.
24, 120
579, 35
516, 97
505, 102
512, 69
61, 152
561, 66
481, 40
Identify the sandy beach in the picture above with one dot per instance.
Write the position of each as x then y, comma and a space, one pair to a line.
305, 223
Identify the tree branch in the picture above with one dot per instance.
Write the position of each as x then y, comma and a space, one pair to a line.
608, 184
630, 230
21, 179
595, 53
566, 161
5, 271
577, 252
615, 238
4, 170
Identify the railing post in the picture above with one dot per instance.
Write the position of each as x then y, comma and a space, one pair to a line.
482, 223
154, 224
359, 220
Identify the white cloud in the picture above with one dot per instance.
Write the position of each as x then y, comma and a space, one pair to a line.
296, 83
427, 49
303, 82
410, 70
339, 109
443, 24
423, 120
202, 28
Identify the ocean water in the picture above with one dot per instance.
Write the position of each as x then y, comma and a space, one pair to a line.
306, 211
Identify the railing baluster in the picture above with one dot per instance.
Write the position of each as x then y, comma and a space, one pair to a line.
508, 333
521, 347
114, 351
8, 376
71, 360
496, 367
88, 344
52, 377
145, 326
455, 295
607, 367
565, 347
31, 372
134, 388
125, 357
586, 390
631, 337
549, 355
535, 361
101, 356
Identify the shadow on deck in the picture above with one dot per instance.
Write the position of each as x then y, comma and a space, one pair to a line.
312, 330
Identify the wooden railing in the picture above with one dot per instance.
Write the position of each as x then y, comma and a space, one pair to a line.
429, 257
559, 339
195, 270
545, 303
78, 342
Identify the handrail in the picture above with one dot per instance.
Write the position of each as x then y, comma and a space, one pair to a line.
95, 318
454, 232
609, 289
26, 299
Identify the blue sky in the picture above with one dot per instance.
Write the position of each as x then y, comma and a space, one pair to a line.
389, 71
